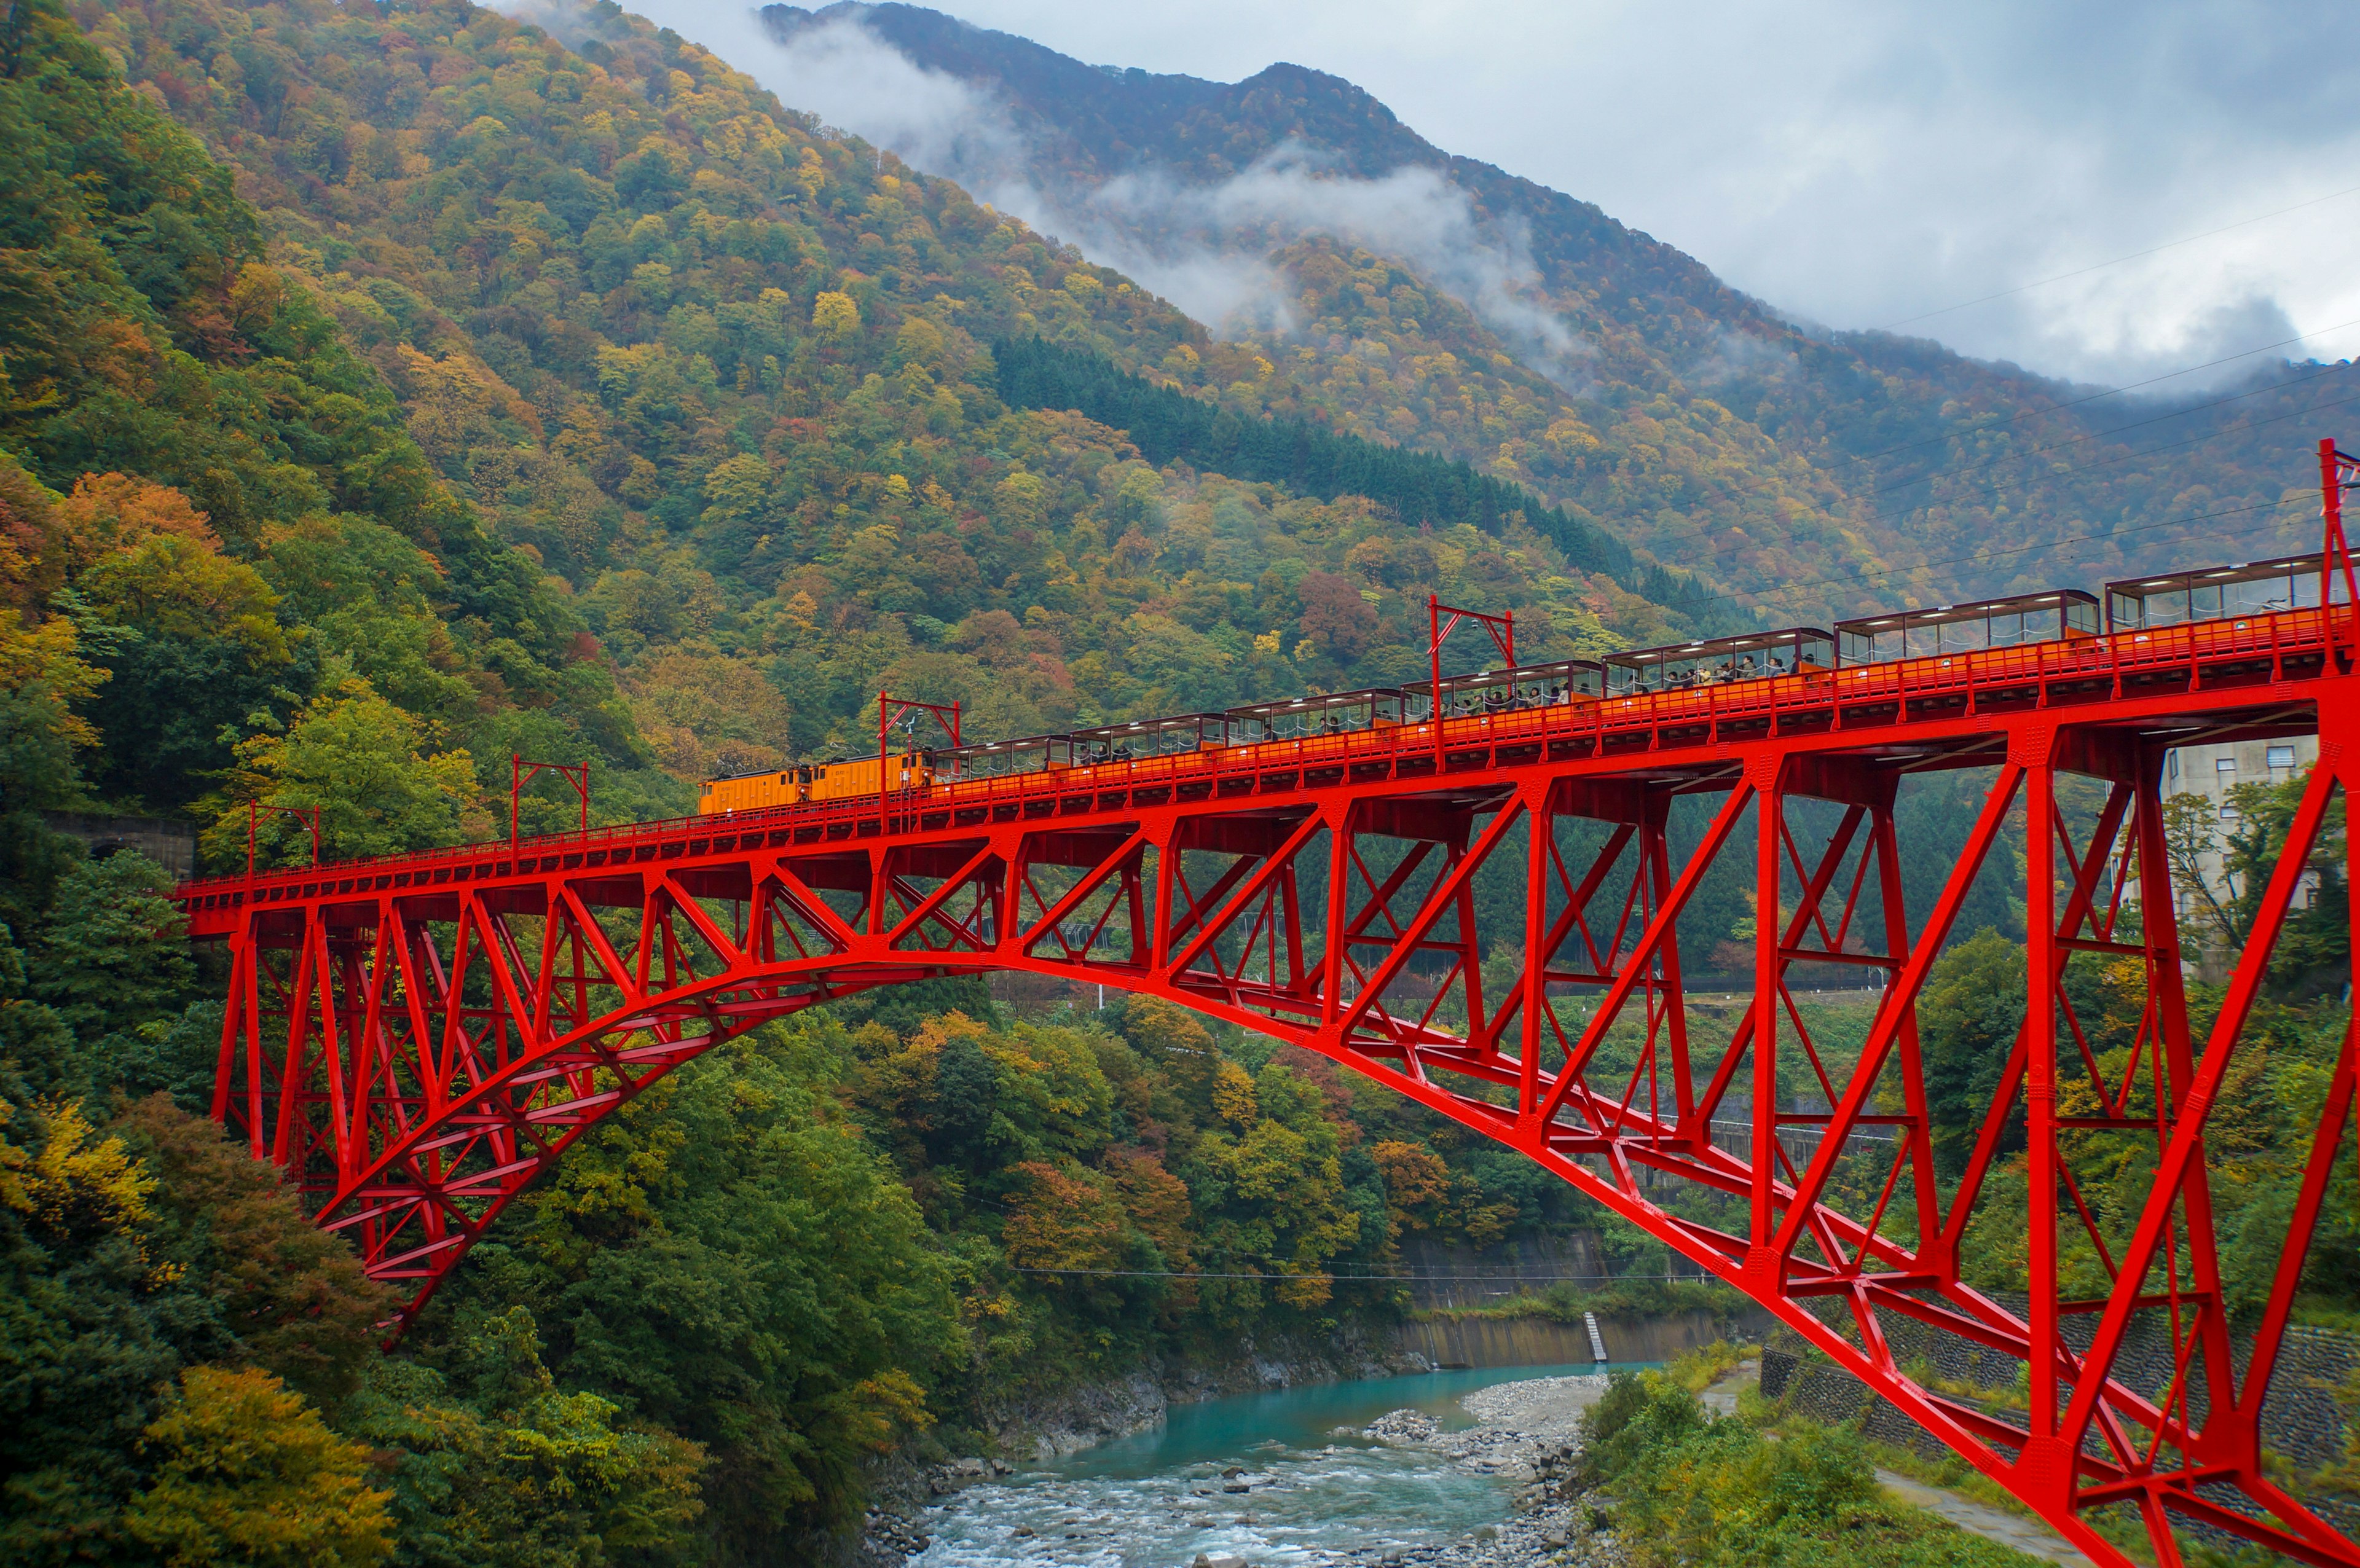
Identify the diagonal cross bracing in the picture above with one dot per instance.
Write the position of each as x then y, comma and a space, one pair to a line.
418, 1039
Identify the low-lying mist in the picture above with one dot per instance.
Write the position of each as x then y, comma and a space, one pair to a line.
1205, 246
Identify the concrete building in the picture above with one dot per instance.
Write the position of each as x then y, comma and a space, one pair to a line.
2211, 771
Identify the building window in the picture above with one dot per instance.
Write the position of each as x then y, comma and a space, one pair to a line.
2171, 765
2228, 812
2282, 756
2225, 765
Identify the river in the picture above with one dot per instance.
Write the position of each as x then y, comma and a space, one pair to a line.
1156, 1499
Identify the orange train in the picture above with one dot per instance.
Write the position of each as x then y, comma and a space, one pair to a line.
2135, 605
841, 780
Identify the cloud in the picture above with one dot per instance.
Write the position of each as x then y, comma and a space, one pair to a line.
1203, 248
1855, 163
1413, 214
1852, 164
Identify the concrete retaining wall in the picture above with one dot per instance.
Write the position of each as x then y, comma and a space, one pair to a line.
2301, 1422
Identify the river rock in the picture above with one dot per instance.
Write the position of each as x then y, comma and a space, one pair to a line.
1404, 1426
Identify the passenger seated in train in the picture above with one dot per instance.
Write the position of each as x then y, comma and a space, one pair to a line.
2135, 605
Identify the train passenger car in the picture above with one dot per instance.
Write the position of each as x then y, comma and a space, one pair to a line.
1506, 690
1680, 666
1144, 738
1003, 759
1302, 718
2219, 593
2061, 616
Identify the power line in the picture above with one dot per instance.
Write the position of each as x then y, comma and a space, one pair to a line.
2100, 435
1371, 1279
2117, 261
2110, 392
1990, 555
1887, 518
2207, 435
1679, 538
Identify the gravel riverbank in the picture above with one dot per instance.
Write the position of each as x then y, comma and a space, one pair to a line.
1528, 1433
1524, 1441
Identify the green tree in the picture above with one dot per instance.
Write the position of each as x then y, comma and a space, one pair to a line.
1966, 1021
112, 957
364, 767
93, 1330
294, 1296
735, 1262
504, 1470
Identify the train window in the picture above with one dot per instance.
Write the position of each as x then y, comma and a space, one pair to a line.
2217, 592
1301, 718
1503, 691
1144, 738
1005, 758
1682, 666
1966, 628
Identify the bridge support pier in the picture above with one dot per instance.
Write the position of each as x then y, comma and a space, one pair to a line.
1496, 934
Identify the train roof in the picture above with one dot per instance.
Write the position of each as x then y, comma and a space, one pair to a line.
2240, 572
1541, 671
1316, 700
1145, 726
1980, 609
1712, 648
1002, 745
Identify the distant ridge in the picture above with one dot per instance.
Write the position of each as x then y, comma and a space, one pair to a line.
1693, 421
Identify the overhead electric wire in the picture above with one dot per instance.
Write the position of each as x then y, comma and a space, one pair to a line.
1891, 517
1989, 555
2100, 435
2110, 392
1682, 537
1332, 1278
2203, 436
2117, 261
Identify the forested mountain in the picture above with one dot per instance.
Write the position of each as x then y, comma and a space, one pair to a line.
728, 380
388, 387
1636, 387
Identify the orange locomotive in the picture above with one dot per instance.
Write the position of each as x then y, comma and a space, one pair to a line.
2140, 608
844, 778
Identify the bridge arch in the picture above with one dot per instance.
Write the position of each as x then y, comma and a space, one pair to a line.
418, 1039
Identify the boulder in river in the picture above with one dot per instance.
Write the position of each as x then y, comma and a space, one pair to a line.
1404, 1426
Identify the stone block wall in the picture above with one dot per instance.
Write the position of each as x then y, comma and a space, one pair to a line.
2303, 1423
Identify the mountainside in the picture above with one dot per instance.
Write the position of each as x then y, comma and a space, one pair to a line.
725, 379
429, 390
386, 386
1638, 387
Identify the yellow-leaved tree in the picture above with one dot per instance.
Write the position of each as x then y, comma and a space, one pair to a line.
248, 1473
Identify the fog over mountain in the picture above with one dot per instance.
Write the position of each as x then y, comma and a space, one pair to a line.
1866, 166
1863, 459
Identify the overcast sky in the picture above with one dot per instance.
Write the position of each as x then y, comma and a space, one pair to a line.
1858, 165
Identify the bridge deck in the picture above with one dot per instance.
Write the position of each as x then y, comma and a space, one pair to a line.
2200, 668
419, 1038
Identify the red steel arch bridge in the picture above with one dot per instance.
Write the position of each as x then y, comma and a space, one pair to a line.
419, 1038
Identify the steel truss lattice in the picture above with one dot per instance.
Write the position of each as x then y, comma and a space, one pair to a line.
420, 1038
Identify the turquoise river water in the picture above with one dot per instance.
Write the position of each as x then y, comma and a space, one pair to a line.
1155, 1500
